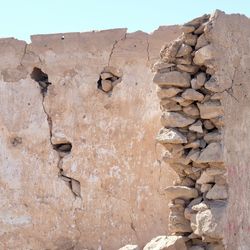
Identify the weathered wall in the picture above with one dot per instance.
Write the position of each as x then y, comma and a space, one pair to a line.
113, 152
231, 37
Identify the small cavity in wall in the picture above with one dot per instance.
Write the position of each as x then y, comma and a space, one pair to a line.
109, 78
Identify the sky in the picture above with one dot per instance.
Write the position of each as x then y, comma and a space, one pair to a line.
22, 18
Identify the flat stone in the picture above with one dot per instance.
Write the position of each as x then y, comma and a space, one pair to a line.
161, 66
196, 127
214, 136
184, 50
191, 110
130, 247
166, 243
174, 119
167, 92
191, 94
105, 75
210, 109
192, 69
201, 42
204, 55
218, 192
170, 136
212, 153
182, 192
173, 78
187, 60
183, 102
215, 171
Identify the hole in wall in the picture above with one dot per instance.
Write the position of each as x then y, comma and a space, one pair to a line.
109, 78
42, 78
63, 147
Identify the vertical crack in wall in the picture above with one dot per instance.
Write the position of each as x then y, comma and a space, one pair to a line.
114, 46
62, 149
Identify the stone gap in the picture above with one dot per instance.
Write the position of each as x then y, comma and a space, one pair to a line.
109, 78
42, 78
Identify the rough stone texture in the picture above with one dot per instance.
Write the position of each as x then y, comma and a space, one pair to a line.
166, 243
113, 149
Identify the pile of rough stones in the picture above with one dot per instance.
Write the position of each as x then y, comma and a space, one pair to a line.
192, 119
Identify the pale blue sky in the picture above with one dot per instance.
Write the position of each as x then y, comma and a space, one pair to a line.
22, 18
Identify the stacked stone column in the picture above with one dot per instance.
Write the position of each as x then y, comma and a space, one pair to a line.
192, 120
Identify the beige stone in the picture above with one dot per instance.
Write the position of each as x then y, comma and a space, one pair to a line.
190, 39
113, 70
192, 69
191, 110
198, 21
167, 92
191, 94
169, 51
170, 105
205, 178
173, 78
201, 42
187, 29
106, 85
184, 50
205, 187
208, 124
166, 243
204, 55
182, 192
174, 119
170, 136
210, 109
196, 127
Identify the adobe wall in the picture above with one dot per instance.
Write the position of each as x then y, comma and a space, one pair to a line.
79, 166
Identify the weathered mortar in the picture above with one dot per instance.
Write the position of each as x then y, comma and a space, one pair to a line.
113, 155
